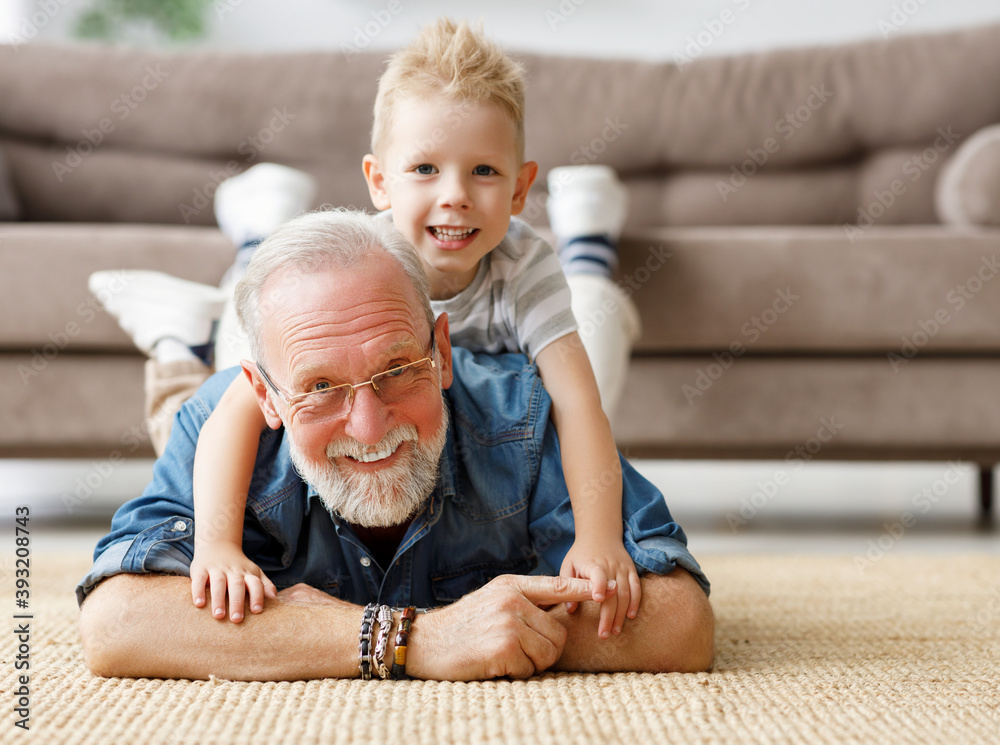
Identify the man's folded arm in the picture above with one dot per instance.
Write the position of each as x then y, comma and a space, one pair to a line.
145, 625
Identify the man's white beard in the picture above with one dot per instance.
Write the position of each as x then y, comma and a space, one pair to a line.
383, 498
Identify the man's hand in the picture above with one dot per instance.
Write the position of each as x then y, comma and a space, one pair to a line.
499, 630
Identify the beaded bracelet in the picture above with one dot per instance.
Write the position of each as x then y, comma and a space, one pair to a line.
402, 639
384, 629
365, 642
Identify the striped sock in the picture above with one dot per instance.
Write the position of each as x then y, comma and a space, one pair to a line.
589, 254
243, 255
170, 349
239, 266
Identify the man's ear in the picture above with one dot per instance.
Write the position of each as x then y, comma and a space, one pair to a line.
260, 390
376, 182
525, 178
443, 343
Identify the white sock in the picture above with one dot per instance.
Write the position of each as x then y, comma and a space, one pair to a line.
587, 207
172, 350
249, 206
152, 306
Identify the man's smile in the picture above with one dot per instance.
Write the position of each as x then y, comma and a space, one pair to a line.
374, 457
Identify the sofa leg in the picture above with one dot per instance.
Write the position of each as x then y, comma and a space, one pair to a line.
986, 495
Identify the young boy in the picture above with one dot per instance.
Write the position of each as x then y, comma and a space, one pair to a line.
447, 158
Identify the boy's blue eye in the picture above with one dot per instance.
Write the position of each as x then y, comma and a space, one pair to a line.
425, 169
484, 171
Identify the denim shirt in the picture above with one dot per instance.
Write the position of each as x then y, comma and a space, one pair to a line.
500, 505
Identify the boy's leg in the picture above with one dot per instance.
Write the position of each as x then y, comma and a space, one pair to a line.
587, 207
185, 326
609, 326
248, 207
168, 386
168, 318
171, 320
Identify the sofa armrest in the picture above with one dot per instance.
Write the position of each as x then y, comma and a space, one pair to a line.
968, 190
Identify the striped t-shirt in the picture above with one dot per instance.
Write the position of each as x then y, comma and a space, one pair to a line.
518, 301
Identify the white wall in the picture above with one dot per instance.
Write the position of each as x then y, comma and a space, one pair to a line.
12, 14
651, 29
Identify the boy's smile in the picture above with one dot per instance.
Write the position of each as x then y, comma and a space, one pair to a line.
450, 171
452, 238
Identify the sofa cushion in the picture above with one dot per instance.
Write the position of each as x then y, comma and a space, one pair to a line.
52, 263
73, 404
832, 195
911, 291
10, 207
796, 408
968, 189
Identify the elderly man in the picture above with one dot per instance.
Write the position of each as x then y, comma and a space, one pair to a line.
465, 499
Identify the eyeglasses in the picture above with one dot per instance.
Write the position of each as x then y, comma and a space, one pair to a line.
334, 402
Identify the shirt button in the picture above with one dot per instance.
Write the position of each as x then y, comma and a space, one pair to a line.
180, 525
365, 561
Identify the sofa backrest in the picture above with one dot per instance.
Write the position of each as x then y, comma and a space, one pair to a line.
820, 135
799, 136
106, 134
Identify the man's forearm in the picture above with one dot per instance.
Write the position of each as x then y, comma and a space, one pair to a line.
147, 626
674, 631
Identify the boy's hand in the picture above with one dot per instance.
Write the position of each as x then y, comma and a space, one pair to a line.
600, 562
226, 569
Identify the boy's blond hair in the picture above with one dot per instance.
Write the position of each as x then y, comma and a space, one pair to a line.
458, 61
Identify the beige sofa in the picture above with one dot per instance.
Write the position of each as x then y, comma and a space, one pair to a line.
803, 296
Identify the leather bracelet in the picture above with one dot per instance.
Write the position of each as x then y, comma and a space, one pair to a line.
384, 629
402, 639
365, 642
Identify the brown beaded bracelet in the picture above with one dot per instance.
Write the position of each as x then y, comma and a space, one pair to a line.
402, 639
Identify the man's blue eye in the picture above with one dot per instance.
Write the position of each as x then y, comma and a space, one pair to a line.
484, 171
322, 386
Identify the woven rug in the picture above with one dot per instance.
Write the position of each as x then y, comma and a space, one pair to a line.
810, 649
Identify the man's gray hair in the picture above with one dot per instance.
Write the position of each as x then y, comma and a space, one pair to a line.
335, 238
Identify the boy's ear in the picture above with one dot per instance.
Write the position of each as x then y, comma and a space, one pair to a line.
376, 182
526, 177
260, 391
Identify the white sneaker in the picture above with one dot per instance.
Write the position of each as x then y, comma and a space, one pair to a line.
151, 306
586, 200
251, 205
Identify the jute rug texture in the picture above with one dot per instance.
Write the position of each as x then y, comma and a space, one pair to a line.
809, 650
